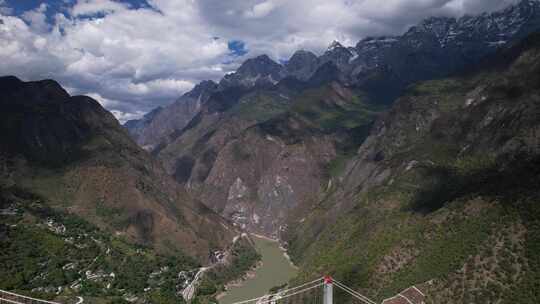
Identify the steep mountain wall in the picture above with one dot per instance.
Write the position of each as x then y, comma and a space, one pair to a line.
75, 155
442, 194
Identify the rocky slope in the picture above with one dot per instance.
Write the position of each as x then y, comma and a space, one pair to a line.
74, 154
154, 127
443, 193
268, 153
266, 140
137, 127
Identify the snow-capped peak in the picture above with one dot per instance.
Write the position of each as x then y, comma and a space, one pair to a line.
334, 45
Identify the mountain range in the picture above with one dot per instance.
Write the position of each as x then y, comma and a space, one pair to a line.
316, 110
381, 67
404, 160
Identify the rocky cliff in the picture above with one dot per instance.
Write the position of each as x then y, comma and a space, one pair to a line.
74, 154
155, 126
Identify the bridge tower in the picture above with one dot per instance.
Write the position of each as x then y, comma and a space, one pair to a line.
328, 290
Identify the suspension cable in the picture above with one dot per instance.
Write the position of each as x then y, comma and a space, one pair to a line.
289, 295
25, 297
281, 292
353, 292
364, 300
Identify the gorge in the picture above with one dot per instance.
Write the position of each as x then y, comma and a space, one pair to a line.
404, 160
275, 269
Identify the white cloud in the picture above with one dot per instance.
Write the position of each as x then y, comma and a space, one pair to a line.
133, 60
175, 87
140, 58
281, 27
105, 102
37, 18
93, 7
124, 116
260, 9
477, 6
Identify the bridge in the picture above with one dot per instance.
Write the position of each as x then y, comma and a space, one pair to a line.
7, 297
319, 291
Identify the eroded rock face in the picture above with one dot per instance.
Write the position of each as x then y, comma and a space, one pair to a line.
257, 180
258, 171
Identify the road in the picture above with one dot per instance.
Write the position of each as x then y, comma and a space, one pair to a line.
189, 291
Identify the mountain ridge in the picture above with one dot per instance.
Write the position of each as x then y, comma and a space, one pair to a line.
52, 137
445, 45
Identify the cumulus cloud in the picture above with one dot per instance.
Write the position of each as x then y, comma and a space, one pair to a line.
140, 58
123, 117
37, 18
132, 59
93, 7
260, 9
476, 7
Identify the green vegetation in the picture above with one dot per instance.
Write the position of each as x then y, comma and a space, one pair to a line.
328, 111
244, 257
447, 250
456, 211
259, 107
336, 166
113, 215
434, 243
43, 249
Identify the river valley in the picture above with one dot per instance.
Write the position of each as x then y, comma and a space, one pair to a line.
275, 270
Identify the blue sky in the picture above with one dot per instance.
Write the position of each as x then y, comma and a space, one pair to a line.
21, 6
135, 55
237, 47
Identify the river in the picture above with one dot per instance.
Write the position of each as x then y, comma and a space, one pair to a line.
275, 270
